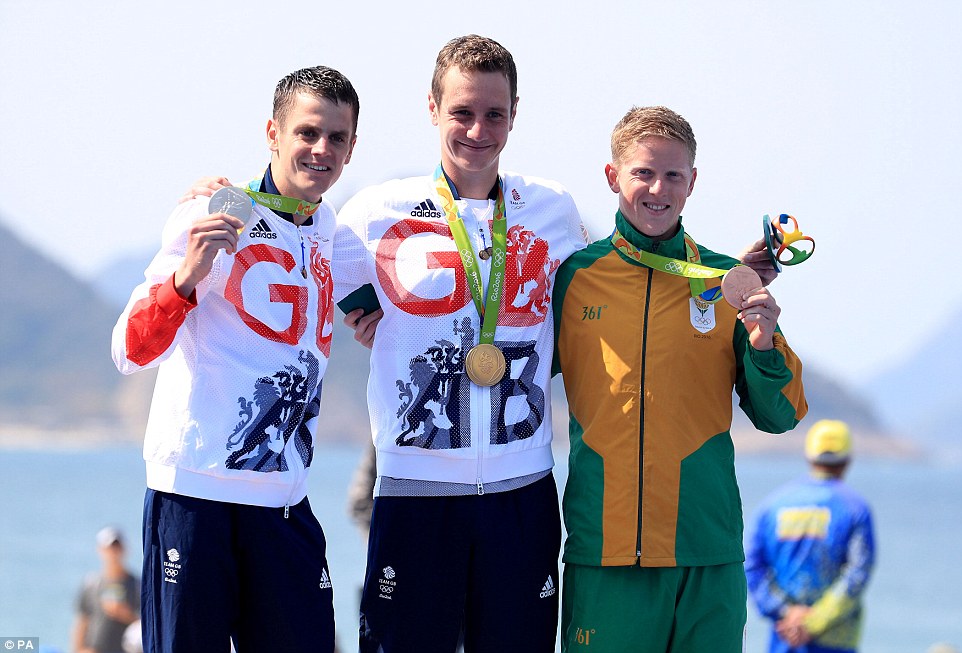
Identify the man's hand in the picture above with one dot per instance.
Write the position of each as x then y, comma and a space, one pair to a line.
791, 627
204, 187
118, 611
756, 257
365, 326
759, 314
204, 239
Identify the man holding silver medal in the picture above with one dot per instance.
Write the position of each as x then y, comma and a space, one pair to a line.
236, 310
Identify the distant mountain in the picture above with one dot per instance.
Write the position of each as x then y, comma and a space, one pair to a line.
57, 375
827, 399
114, 281
922, 397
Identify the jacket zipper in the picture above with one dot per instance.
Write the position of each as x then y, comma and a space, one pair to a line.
641, 404
298, 469
482, 395
478, 418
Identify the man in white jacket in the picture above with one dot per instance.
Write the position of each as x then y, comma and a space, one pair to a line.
238, 317
465, 531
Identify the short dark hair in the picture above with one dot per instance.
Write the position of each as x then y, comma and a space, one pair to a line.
474, 53
319, 82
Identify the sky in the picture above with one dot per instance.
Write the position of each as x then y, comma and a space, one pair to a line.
847, 115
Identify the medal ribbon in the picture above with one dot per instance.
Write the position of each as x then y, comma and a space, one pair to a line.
487, 309
692, 268
284, 204
280, 203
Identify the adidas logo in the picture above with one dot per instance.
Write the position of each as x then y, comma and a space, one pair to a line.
549, 589
426, 209
325, 580
261, 230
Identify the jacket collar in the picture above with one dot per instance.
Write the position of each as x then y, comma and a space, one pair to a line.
673, 247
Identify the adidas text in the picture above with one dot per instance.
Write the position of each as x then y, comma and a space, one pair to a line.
261, 230
549, 589
325, 583
426, 209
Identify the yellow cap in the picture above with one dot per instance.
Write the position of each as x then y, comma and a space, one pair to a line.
829, 442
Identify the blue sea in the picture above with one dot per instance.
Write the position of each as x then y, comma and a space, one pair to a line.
52, 502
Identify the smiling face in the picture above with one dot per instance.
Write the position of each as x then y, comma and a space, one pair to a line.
311, 143
653, 180
474, 113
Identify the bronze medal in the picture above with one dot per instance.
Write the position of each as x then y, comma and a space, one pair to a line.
485, 254
485, 364
737, 282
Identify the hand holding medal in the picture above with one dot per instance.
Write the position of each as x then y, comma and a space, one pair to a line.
743, 288
232, 201
738, 282
757, 309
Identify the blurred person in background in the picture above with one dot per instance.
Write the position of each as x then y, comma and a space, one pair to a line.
109, 600
812, 552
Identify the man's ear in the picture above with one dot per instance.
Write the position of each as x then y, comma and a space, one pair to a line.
434, 108
611, 174
272, 135
350, 152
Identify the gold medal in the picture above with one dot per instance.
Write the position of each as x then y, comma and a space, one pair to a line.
485, 364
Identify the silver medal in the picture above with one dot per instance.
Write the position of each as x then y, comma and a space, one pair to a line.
232, 201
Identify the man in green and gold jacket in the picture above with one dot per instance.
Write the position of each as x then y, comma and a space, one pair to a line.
653, 558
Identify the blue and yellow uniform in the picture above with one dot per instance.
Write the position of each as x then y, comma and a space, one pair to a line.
813, 545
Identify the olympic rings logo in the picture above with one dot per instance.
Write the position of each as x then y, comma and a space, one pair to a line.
499, 258
171, 572
673, 266
387, 589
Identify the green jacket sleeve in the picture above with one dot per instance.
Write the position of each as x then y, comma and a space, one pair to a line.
769, 384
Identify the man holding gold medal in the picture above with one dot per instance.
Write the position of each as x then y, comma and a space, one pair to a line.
649, 358
237, 312
465, 531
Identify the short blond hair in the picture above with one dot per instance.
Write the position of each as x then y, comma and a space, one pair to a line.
641, 122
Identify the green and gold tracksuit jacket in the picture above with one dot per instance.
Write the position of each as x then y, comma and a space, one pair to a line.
649, 375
